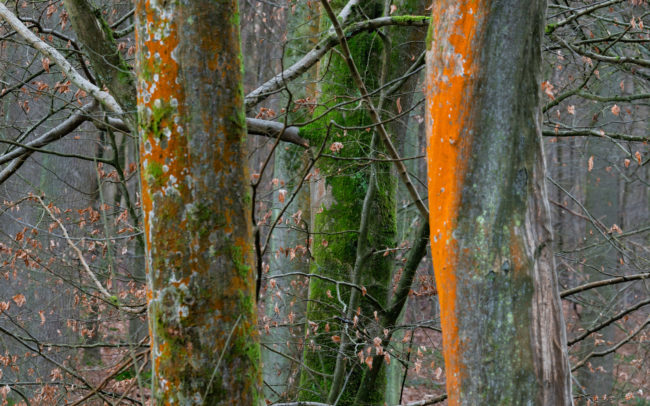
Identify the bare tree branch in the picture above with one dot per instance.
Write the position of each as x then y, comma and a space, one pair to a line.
604, 282
609, 321
613, 348
273, 129
20, 154
585, 132
276, 83
54, 134
103, 97
108, 297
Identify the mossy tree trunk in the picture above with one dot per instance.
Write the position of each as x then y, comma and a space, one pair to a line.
503, 328
111, 70
196, 201
337, 201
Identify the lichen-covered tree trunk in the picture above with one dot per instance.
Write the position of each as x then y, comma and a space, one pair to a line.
337, 202
195, 197
503, 328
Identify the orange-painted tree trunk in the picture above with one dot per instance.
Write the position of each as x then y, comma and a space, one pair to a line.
503, 329
195, 196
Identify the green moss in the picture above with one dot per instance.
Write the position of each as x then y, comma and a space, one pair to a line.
430, 39
550, 28
158, 114
247, 197
154, 174
237, 257
407, 19
347, 185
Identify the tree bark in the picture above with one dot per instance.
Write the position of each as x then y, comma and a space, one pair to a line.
337, 210
110, 68
195, 197
503, 328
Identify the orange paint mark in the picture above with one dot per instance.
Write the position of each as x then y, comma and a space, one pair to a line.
450, 80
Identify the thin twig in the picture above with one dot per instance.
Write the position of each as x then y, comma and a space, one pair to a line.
613, 348
109, 298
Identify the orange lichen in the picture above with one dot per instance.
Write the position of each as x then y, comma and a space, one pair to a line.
450, 82
197, 219
518, 255
160, 88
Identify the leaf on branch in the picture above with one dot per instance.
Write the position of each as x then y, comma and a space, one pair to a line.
637, 154
64, 19
336, 146
56, 374
51, 9
41, 86
590, 163
336, 339
616, 228
19, 299
80, 94
616, 110
438, 373
62, 87
547, 87
46, 64
369, 362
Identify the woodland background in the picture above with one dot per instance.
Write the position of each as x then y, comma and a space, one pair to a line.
72, 283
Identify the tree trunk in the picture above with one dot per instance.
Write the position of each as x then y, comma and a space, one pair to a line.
503, 328
289, 309
337, 204
195, 197
111, 69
